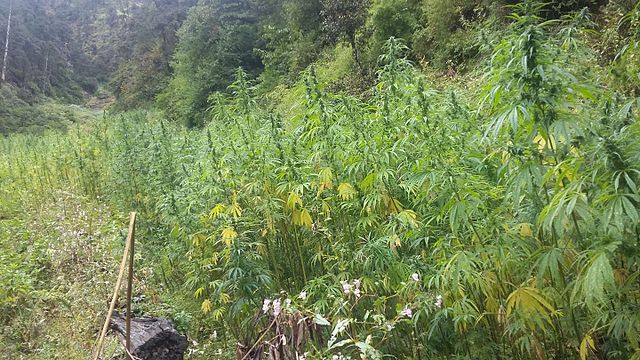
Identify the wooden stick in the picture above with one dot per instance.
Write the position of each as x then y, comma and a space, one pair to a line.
131, 241
116, 290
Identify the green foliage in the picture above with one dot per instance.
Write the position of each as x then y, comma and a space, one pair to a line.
291, 31
145, 69
17, 115
342, 19
215, 40
412, 222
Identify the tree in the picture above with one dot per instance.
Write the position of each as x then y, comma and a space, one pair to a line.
151, 38
216, 38
6, 44
342, 19
292, 34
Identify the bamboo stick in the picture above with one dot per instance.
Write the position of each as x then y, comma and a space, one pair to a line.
116, 290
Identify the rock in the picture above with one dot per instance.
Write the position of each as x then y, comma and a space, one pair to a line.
151, 338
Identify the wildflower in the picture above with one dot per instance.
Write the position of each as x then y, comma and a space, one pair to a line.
287, 303
356, 283
303, 356
265, 305
438, 302
415, 277
276, 307
303, 296
407, 312
357, 293
346, 287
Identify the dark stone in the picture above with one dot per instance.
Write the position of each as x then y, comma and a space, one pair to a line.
151, 338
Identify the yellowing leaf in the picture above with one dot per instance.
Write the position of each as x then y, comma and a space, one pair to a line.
394, 241
236, 210
346, 191
206, 306
586, 346
525, 230
326, 209
261, 249
228, 234
305, 218
326, 179
217, 313
392, 205
197, 239
216, 211
542, 142
293, 200
408, 217
491, 304
225, 298
198, 293
367, 182
302, 217
531, 304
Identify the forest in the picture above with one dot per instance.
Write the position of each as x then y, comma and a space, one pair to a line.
323, 179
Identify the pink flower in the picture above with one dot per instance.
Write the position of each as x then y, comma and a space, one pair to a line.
357, 293
407, 312
415, 277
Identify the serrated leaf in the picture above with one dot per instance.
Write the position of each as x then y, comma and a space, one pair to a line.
228, 234
217, 211
586, 346
206, 306
293, 200
346, 191
320, 320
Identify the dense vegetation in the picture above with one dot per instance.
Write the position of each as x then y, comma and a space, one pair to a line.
469, 192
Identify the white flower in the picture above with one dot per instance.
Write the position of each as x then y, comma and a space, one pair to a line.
438, 302
287, 303
303, 356
303, 296
265, 305
415, 277
276, 307
407, 312
346, 287
357, 293
356, 283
